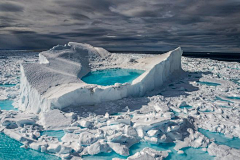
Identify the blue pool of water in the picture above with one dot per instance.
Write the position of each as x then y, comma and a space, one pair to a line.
10, 150
190, 153
225, 106
116, 114
186, 106
220, 99
233, 97
111, 76
208, 83
7, 85
237, 81
206, 110
221, 139
58, 133
7, 105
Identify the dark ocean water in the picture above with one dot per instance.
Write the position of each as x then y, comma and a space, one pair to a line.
231, 57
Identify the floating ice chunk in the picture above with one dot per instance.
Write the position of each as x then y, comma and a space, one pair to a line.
152, 140
14, 135
53, 148
84, 123
55, 119
122, 139
98, 147
118, 121
130, 131
162, 138
38, 145
68, 156
23, 122
87, 138
43, 148
223, 152
180, 152
149, 154
106, 115
153, 133
195, 139
162, 108
147, 122
65, 150
3, 97
140, 132
169, 115
118, 148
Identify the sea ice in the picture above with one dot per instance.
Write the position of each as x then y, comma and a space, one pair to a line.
122, 127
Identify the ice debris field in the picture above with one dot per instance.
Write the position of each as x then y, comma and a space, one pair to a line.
161, 106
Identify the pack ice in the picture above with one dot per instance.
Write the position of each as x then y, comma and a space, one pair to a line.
55, 81
205, 97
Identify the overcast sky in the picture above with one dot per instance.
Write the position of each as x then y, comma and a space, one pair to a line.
195, 25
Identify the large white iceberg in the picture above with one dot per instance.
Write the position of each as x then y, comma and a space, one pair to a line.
55, 82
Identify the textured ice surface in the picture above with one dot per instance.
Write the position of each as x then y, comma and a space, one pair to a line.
118, 126
54, 133
111, 76
189, 153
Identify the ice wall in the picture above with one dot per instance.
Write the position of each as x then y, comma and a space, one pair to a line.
55, 81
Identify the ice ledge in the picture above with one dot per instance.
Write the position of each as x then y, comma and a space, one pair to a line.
55, 82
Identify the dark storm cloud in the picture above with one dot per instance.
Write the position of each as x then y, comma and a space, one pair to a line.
31, 40
79, 16
10, 7
23, 32
88, 32
122, 24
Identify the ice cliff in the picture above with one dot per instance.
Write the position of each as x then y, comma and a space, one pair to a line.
55, 82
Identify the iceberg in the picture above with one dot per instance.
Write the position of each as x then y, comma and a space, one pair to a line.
55, 82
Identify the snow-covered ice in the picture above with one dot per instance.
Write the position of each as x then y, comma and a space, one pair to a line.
206, 96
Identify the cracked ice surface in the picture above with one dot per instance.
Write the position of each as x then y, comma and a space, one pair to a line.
160, 117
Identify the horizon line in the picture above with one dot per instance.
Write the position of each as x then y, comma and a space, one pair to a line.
129, 51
